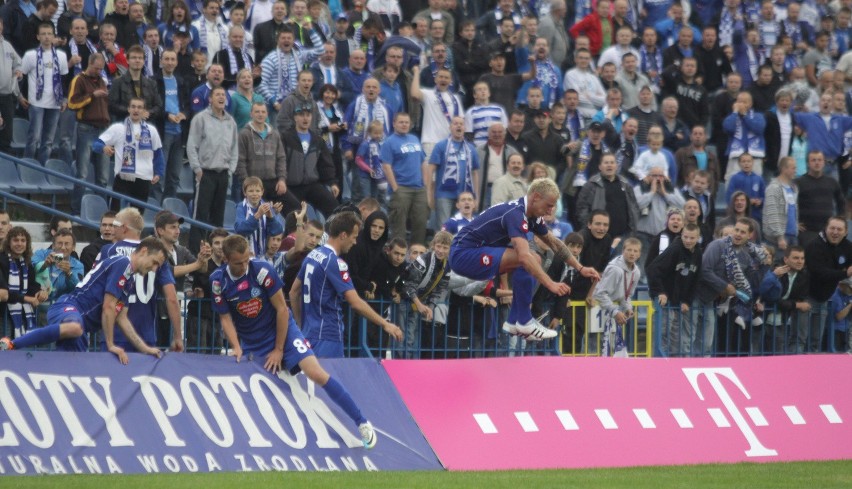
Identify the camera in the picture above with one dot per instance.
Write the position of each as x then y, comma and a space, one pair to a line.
58, 256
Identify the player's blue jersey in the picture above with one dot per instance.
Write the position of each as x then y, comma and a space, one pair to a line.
456, 223
498, 224
325, 278
110, 276
247, 300
142, 301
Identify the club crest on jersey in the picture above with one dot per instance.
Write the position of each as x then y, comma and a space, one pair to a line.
485, 260
244, 285
216, 287
342, 265
255, 292
250, 308
218, 299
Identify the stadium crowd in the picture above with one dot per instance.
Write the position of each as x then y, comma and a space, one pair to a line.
418, 115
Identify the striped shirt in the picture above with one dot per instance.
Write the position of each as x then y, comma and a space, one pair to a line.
479, 118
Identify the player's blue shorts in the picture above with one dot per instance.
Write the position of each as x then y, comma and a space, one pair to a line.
327, 348
296, 349
477, 263
64, 312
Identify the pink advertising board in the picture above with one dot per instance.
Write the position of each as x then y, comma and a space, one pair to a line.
540, 413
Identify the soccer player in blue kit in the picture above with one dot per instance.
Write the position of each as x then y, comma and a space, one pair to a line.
142, 300
254, 315
97, 302
322, 281
497, 242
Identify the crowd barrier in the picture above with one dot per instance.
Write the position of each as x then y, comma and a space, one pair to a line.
463, 328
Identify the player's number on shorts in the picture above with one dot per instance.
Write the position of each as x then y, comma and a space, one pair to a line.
300, 345
306, 295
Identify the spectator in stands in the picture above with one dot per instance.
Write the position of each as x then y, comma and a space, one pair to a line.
307, 238
623, 38
22, 293
780, 212
257, 220
465, 206
105, 237
511, 185
261, 155
571, 318
212, 31
310, 171
364, 255
631, 81
10, 63
326, 72
675, 131
77, 50
425, 286
179, 21
55, 265
44, 67
583, 79
828, 257
614, 293
363, 110
841, 306
134, 84
200, 334
45, 10
517, 122
597, 26
763, 90
739, 206
482, 114
386, 276
201, 93
402, 161
674, 226
611, 192
197, 73
14, 17
138, 152
672, 280
470, 57
695, 157
266, 32
646, 114
722, 107
785, 289
825, 131
544, 145
5, 226
176, 109
818, 59
301, 97
212, 153
235, 56
440, 105
820, 198
454, 167
502, 85
613, 112
153, 51
745, 128
591, 150
699, 190
779, 132
280, 73
436, 11
88, 97
749, 183
655, 194
243, 97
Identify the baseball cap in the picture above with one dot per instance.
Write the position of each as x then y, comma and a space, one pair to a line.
497, 54
302, 108
540, 113
596, 126
342, 16
164, 218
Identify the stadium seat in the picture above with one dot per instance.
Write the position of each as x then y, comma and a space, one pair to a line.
32, 160
92, 208
148, 215
63, 168
20, 128
186, 184
178, 207
38, 179
721, 203
11, 179
314, 215
230, 215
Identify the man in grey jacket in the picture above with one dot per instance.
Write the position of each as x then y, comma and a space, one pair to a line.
262, 155
552, 28
212, 152
610, 192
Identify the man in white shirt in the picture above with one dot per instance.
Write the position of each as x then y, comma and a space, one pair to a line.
587, 84
212, 31
138, 152
44, 67
615, 53
439, 107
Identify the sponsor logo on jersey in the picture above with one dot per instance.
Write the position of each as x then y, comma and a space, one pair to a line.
261, 275
255, 292
344, 276
341, 264
250, 308
244, 285
525, 227
216, 287
268, 282
121, 282
485, 260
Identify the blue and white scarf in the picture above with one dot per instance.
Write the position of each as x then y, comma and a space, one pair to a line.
285, 75
361, 125
376, 170
326, 115
148, 68
57, 78
368, 46
546, 75
728, 24
583, 160
256, 239
741, 301
446, 111
456, 154
75, 51
232, 60
793, 30
202, 33
498, 16
143, 143
22, 314
648, 62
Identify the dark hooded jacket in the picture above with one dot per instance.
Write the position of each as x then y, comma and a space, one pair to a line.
366, 253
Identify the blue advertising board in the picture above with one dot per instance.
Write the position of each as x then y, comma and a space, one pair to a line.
87, 413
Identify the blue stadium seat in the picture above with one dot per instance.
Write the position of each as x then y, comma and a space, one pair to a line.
12, 179
32, 160
148, 215
92, 208
721, 203
178, 207
230, 215
186, 184
63, 168
20, 128
38, 179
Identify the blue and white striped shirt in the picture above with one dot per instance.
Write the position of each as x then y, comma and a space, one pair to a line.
479, 118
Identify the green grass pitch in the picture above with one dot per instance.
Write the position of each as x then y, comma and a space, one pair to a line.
807, 475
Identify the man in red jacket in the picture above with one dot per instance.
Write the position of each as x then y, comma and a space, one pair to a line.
597, 26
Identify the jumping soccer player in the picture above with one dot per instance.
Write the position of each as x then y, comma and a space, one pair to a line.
97, 301
247, 295
322, 280
481, 251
